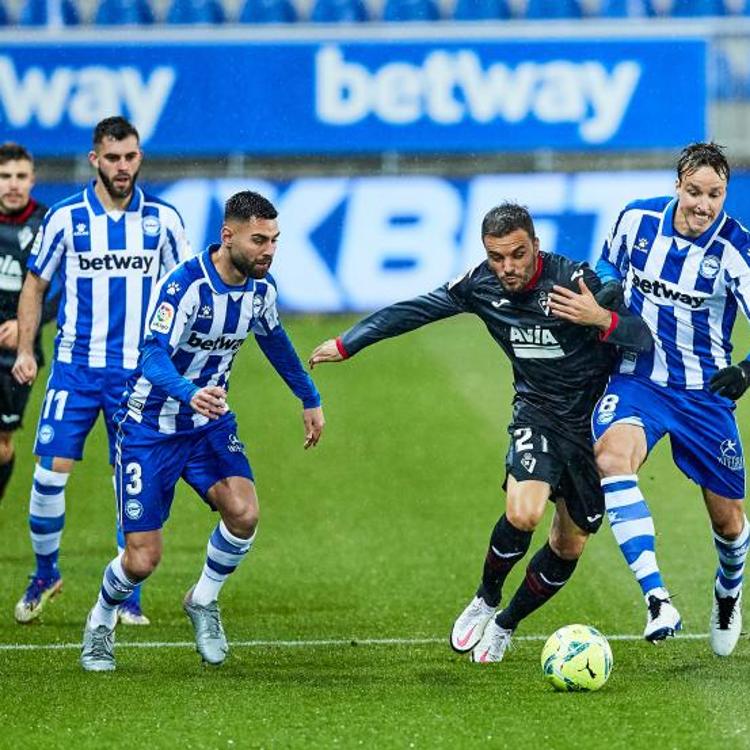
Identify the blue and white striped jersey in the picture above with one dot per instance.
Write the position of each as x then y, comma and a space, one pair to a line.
108, 264
201, 322
686, 289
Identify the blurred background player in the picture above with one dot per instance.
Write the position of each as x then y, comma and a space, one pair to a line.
20, 218
560, 367
111, 243
177, 423
685, 267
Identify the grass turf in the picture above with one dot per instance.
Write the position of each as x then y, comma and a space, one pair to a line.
378, 533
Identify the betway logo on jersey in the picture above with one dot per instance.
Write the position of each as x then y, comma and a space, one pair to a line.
116, 262
454, 86
83, 95
666, 291
223, 343
535, 342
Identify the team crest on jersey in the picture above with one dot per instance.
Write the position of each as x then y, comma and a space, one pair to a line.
205, 312
543, 301
234, 444
46, 434
163, 317
25, 235
528, 462
710, 267
151, 226
730, 456
81, 230
133, 509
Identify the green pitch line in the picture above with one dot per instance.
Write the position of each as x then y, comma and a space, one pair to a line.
309, 643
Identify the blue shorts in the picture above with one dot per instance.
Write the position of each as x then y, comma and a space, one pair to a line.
75, 395
706, 444
148, 465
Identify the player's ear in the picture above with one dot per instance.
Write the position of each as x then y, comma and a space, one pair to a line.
93, 158
226, 234
536, 245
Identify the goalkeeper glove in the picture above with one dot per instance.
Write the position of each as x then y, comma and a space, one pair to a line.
610, 295
731, 381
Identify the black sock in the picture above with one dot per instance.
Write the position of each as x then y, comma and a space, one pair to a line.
507, 546
5, 471
546, 575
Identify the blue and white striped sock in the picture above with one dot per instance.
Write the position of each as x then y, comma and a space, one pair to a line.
136, 595
116, 588
224, 553
633, 528
732, 555
47, 518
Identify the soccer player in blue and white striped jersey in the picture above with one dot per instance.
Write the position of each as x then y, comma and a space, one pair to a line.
684, 267
176, 423
108, 245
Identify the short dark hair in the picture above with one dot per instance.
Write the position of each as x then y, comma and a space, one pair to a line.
117, 128
697, 155
245, 205
506, 218
10, 151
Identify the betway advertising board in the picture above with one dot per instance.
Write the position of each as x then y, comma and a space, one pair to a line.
358, 244
358, 96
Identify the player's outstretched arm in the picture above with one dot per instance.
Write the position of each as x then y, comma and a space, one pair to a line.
29, 316
314, 422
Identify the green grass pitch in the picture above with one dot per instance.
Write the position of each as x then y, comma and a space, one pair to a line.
377, 534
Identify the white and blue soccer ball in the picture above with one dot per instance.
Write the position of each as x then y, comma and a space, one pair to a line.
576, 658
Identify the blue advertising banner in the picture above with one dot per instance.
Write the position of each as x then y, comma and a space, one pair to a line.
357, 96
358, 244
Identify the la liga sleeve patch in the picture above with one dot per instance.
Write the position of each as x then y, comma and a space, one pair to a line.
163, 317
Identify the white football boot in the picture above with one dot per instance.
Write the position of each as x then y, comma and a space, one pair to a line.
663, 620
493, 645
468, 628
726, 623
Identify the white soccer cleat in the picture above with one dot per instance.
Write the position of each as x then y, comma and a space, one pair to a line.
494, 643
726, 623
663, 619
468, 628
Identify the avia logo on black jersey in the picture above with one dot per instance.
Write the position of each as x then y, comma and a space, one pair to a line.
535, 342
665, 291
208, 345
116, 262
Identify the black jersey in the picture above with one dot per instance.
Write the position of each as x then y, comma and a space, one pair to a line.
17, 233
559, 368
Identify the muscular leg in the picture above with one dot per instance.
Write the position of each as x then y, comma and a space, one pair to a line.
619, 453
141, 556
510, 539
231, 540
548, 571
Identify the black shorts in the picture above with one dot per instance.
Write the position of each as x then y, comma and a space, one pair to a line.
565, 463
13, 399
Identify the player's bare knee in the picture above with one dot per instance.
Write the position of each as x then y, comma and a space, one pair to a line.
729, 524
610, 461
141, 557
524, 518
567, 546
6, 447
243, 522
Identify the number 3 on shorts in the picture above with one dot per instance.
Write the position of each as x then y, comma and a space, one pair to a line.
135, 485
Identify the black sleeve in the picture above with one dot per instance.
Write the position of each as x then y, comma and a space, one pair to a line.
630, 332
403, 317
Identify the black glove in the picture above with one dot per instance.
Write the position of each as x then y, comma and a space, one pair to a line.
610, 295
731, 381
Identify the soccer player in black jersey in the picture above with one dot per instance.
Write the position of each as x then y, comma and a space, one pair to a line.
541, 310
20, 217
